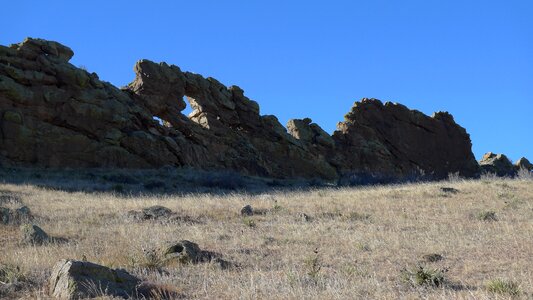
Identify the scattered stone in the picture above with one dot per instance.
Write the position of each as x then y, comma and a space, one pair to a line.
33, 235
9, 198
488, 216
247, 210
449, 190
497, 164
159, 213
221, 263
184, 252
72, 279
156, 212
304, 217
433, 257
5, 214
16, 216
188, 252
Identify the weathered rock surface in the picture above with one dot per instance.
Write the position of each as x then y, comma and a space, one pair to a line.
497, 164
15, 216
189, 252
33, 235
53, 114
183, 251
159, 213
247, 210
393, 140
72, 279
523, 163
155, 212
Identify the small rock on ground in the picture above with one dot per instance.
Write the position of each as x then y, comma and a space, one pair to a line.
33, 234
247, 210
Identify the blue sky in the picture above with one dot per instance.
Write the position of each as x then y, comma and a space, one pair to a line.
315, 58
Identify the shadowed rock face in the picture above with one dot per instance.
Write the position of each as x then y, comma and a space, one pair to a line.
53, 114
391, 139
523, 163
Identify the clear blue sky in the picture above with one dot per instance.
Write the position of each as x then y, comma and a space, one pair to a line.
315, 58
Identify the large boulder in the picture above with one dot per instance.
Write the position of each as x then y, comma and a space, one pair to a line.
71, 279
497, 164
184, 252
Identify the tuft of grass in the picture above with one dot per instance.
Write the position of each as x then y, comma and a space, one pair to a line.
423, 276
249, 222
11, 274
502, 286
355, 216
364, 247
277, 207
314, 265
487, 216
149, 259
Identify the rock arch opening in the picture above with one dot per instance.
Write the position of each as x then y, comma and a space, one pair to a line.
187, 111
162, 121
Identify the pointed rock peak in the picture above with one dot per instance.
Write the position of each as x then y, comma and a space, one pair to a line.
523, 163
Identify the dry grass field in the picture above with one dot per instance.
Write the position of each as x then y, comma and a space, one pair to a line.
412, 241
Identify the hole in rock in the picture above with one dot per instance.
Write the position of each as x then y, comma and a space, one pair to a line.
188, 108
162, 122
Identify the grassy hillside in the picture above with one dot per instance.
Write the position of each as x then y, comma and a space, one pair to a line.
472, 240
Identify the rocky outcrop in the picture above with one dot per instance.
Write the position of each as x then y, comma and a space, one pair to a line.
53, 114
523, 164
15, 216
189, 252
497, 164
391, 139
33, 235
72, 279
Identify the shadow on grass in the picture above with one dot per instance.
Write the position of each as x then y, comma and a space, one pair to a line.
177, 181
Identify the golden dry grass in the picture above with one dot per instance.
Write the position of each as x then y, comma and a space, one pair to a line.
364, 238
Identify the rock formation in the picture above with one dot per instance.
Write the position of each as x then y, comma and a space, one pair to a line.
53, 114
72, 279
497, 164
523, 163
33, 235
15, 216
391, 139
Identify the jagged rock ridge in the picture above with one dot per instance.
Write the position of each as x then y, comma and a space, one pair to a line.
53, 114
